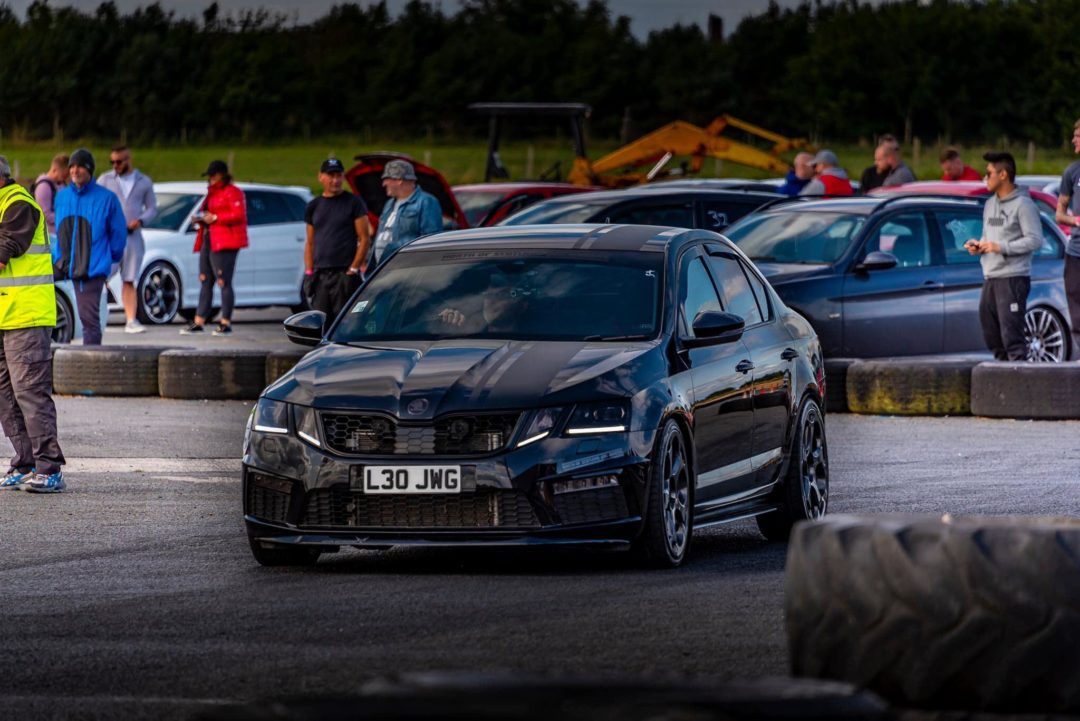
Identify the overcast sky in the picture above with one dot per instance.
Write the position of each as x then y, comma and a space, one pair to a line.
646, 14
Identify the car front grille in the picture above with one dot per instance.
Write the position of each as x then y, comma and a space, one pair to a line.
268, 497
591, 506
340, 506
367, 434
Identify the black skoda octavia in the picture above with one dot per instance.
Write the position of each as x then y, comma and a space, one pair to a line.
610, 386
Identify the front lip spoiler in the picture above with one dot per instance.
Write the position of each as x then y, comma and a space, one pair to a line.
263, 532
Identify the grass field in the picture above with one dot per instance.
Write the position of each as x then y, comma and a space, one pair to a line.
297, 163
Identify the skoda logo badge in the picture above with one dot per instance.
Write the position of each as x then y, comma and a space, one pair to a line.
417, 406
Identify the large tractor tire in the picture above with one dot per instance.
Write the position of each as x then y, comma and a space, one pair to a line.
106, 370
1026, 390
979, 614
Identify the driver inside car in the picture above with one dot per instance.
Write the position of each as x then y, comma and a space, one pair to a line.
504, 302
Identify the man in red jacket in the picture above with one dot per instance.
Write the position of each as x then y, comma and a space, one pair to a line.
829, 177
953, 168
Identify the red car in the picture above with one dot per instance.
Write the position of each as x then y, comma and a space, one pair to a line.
1045, 202
365, 179
487, 203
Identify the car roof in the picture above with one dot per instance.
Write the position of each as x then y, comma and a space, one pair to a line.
865, 205
199, 187
585, 236
519, 186
610, 197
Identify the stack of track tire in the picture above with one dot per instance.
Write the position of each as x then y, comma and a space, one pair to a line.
910, 386
966, 614
106, 370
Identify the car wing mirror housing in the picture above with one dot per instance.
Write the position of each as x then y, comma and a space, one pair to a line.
306, 328
877, 260
714, 328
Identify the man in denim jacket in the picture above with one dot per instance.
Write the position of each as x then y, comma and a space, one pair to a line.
409, 212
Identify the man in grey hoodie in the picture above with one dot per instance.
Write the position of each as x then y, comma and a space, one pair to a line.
1011, 234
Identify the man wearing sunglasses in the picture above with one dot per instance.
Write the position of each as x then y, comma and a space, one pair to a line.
136, 194
1011, 234
1068, 213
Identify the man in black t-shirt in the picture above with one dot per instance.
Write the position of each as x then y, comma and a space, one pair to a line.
338, 238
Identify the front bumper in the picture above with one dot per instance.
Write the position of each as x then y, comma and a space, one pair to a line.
296, 494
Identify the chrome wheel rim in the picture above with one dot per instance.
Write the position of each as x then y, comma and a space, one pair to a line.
1044, 335
814, 466
160, 293
675, 495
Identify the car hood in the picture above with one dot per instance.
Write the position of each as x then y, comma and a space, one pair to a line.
420, 379
783, 272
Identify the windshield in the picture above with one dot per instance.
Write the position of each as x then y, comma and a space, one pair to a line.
520, 295
553, 212
172, 210
796, 237
477, 204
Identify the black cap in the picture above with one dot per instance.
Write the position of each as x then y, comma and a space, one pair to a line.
215, 167
83, 158
332, 165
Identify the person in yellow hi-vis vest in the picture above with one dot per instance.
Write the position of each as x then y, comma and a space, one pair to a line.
27, 316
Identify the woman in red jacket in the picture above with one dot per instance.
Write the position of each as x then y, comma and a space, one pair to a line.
222, 233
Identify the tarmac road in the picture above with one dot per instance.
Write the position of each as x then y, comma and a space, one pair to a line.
134, 595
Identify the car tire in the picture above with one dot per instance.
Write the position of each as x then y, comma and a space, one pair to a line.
212, 374
910, 387
804, 495
283, 555
1047, 336
669, 513
938, 612
106, 371
64, 330
159, 294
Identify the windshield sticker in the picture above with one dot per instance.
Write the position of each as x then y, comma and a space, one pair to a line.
359, 307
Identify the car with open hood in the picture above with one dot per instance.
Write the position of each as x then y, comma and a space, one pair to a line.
597, 385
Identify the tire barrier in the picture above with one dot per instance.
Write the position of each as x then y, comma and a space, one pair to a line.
281, 362
910, 387
1048, 391
212, 374
979, 614
836, 370
106, 370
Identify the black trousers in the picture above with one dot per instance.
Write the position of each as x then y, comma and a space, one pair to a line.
1001, 311
214, 267
1072, 293
331, 289
88, 300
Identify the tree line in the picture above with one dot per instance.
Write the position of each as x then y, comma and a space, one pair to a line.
837, 71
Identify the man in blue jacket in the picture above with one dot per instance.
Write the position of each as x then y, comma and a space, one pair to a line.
90, 236
409, 212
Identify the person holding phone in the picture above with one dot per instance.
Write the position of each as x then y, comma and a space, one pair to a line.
222, 234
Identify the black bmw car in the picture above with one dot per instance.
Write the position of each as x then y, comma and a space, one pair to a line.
609, 386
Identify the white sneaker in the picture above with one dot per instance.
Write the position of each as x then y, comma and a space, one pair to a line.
134, 326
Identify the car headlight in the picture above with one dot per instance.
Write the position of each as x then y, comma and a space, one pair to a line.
606, 417
306, 426
271, 416
541, 424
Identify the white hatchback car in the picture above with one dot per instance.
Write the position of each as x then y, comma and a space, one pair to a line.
270, 271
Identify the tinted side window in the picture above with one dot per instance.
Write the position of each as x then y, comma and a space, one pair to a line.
719, 214
295, 205
697, 292
265, 208
956, 229
1051, 247
760, 292
906, 237
679, 216
735, 288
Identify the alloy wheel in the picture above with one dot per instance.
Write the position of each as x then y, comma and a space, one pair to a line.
675, 493
160, 293
1045, 336
813, 465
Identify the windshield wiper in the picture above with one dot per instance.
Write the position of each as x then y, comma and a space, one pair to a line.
638, 336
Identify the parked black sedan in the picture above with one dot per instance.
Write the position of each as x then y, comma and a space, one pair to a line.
890, 277
613, 386
669, 204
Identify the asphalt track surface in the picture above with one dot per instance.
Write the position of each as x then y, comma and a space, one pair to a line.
134, 595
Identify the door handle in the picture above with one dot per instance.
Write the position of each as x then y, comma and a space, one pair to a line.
789, 354
744, 366
932, 285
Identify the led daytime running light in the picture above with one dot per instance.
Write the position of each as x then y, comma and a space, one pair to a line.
271, 429
533, 439
598, 429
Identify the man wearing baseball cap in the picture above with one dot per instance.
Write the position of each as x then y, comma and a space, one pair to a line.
409, 212
829, 177
338, 240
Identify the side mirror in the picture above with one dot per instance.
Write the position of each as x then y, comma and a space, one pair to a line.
877, 260
714, 328
305, 328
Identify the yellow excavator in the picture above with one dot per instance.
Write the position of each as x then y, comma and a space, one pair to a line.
647, 159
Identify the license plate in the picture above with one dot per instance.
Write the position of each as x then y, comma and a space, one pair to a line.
412, 479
